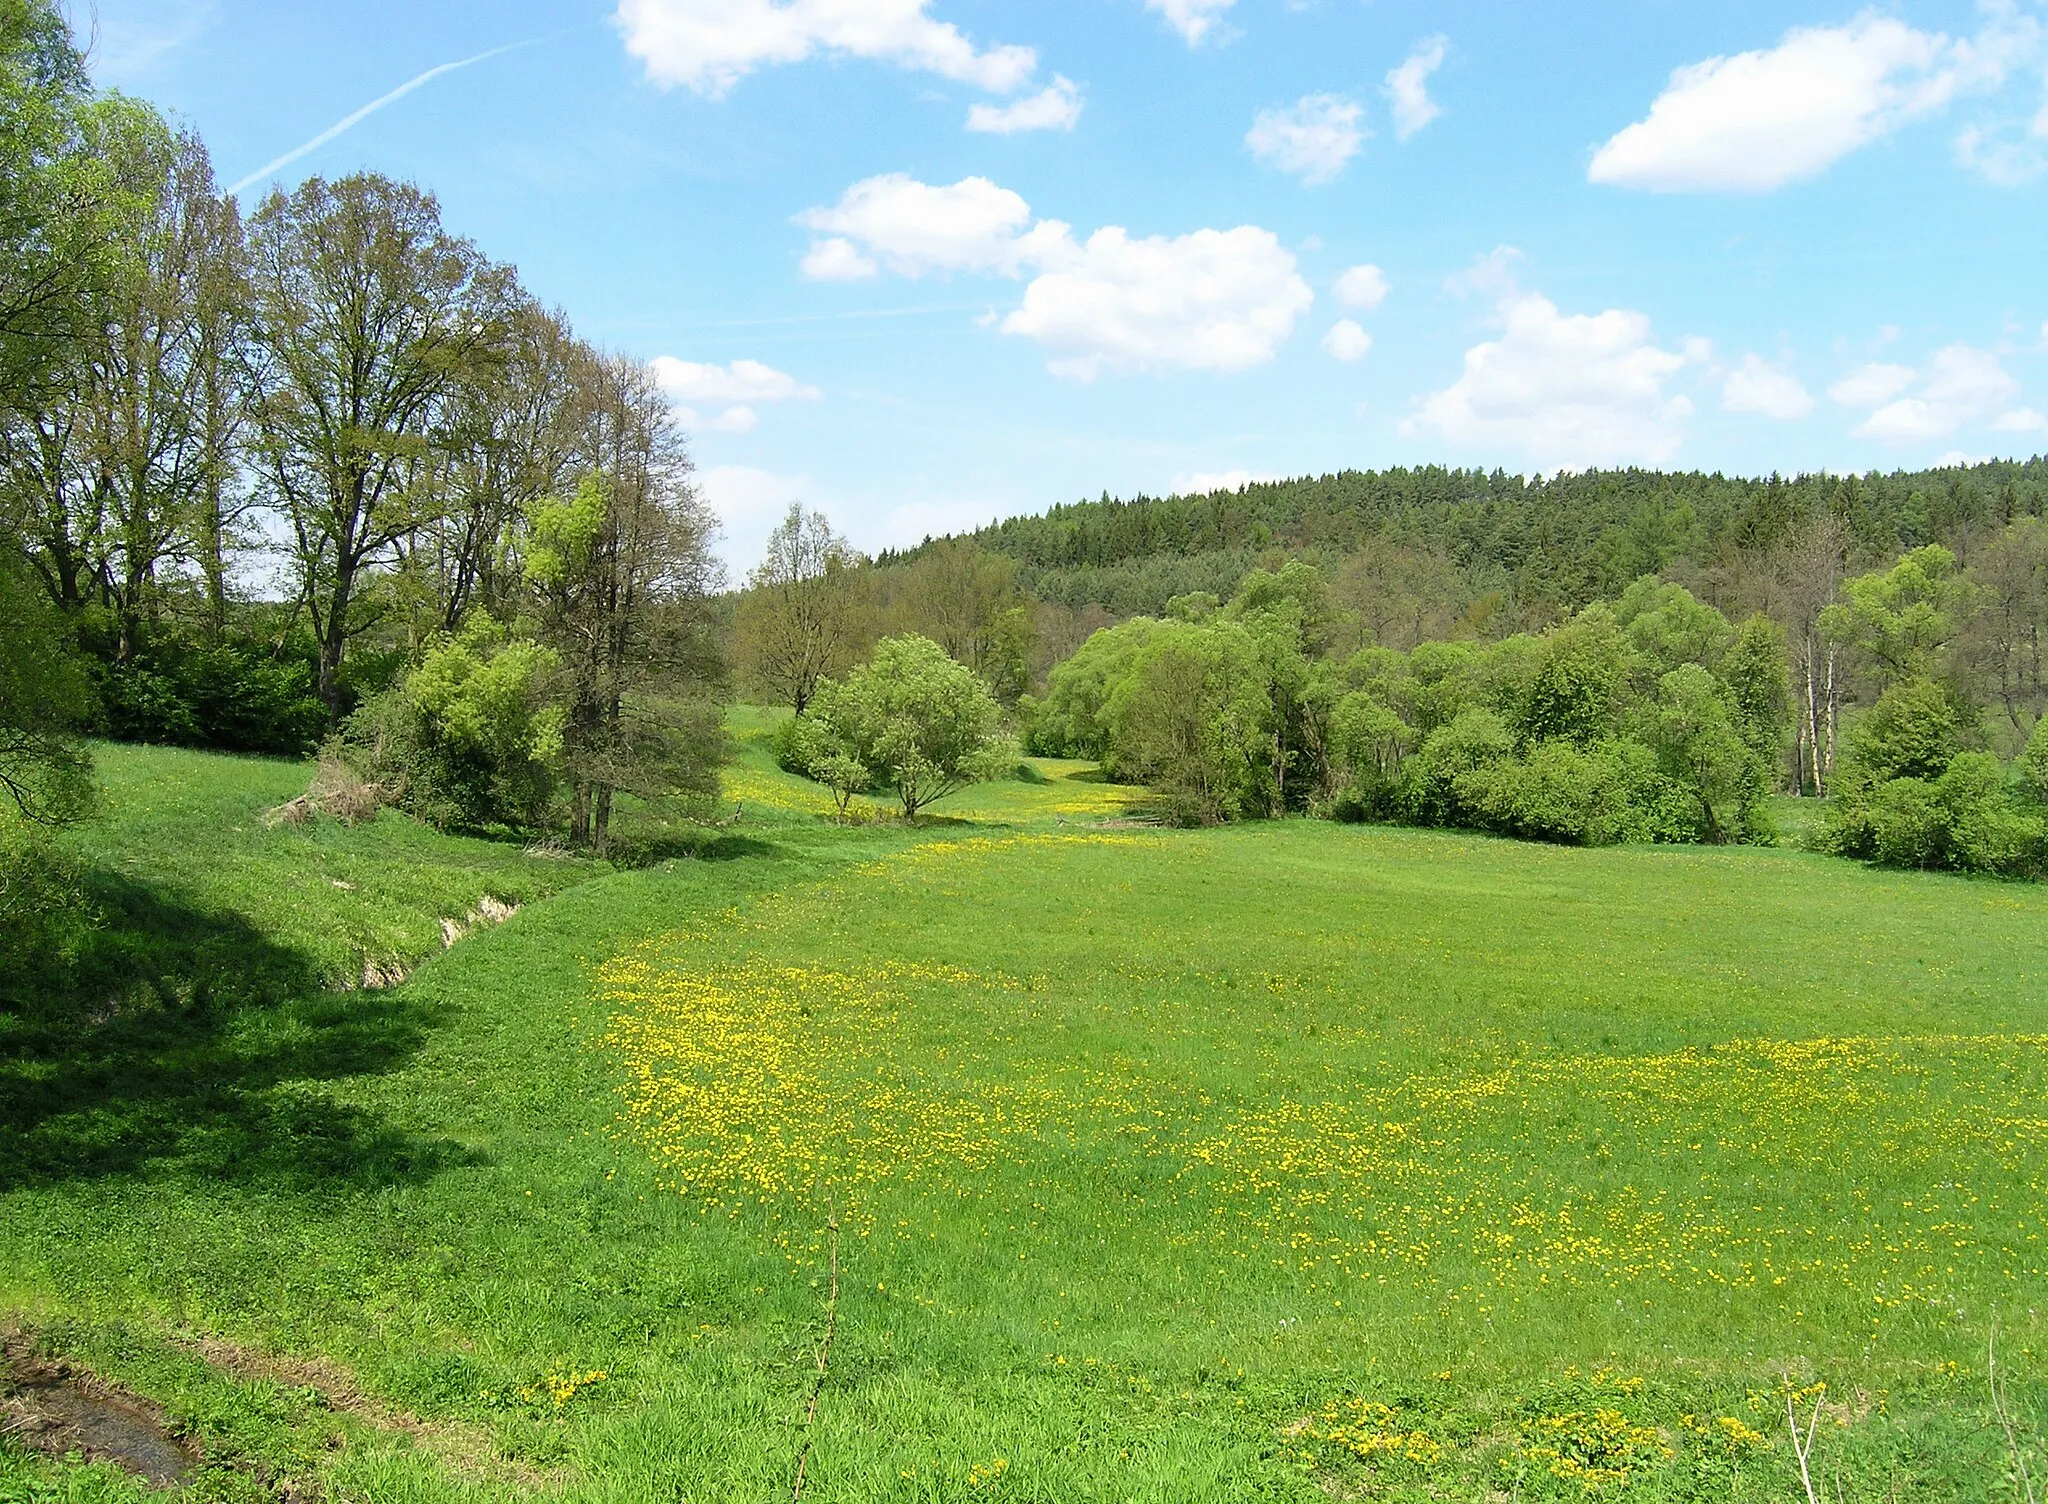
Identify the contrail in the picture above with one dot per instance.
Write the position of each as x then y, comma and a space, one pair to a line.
348, 121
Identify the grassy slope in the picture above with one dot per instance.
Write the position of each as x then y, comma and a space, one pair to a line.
1145, 1146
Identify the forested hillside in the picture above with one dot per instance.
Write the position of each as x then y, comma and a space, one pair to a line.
1541, 546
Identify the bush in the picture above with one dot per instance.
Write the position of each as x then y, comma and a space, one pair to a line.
235, 695
911, 718
1970, 819
470, 737
1435, 782
1913, 731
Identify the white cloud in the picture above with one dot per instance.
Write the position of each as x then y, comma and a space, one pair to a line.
1998, 159
1759, 120
1206, 482
1362, 287
1346, 341
914, 228
836, 259
1871, 385
1963, 385
1563, 389
1407, 87
1957, 459
1312, 138
1214, 300
741, 419
1756, 386
741, 381
1056, 108
1193, 19
2022, 420
730, 388
710, 45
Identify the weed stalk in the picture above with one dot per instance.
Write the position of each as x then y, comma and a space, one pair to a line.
803, 1455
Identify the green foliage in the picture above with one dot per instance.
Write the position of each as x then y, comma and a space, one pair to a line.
1192, 718
1917, 799
1579, 681
1367, 741
1914, 730
1700, 747
235, 695
45, 774
1652, 721
1898, 619
1073, 718
1548, 544
911, 718
472, 737
815, 746
2033, 763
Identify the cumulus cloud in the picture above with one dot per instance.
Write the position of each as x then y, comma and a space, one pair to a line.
741, 381
1193, 19
1213, 300
731, 389
914, 228
1312, 138
1758, 120
837, 259
1346, 341
1407, 87
710, 45
1055, 108
1963, 385
2022, 420
1871, 385
1767, 391
1563, 389
1362, 287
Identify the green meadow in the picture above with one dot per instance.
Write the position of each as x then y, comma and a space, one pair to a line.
1096, 1162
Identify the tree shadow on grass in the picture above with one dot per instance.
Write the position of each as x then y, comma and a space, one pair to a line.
166, 1041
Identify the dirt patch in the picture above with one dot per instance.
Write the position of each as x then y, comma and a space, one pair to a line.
58, 1411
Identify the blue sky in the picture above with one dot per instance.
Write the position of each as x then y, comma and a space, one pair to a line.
925, 262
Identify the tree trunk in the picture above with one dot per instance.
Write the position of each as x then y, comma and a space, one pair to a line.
334, 642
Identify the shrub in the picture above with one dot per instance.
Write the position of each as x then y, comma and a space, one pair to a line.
235, 695
470, 737
911, 718
1193, 719
1913, 731
1366, 744
1969, 819
1430, 790
1073, 719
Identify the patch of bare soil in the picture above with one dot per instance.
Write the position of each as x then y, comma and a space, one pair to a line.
58, 1411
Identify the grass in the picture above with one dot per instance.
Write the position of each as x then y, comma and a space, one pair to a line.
1279, 1162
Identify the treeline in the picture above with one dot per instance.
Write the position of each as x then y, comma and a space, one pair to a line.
1651, 717
323, 471
1517, 551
